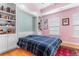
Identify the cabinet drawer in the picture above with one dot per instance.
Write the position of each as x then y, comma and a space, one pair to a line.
12, 41
12, 37
3, 43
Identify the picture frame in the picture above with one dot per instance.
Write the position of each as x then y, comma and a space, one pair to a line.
65, 21
40, 24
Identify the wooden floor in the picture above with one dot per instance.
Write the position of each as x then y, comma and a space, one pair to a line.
22, 52
17, 52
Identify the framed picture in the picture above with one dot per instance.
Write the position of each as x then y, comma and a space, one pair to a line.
40, 24
65, 21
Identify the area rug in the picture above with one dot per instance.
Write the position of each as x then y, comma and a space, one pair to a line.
67, 51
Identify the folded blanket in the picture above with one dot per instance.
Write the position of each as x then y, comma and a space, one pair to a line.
40, 45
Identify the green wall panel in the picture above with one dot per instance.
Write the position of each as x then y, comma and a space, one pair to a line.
24, 21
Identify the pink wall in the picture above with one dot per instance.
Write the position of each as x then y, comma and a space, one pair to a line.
65, 31
32, 7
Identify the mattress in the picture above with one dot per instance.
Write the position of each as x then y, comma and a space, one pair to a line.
40, 45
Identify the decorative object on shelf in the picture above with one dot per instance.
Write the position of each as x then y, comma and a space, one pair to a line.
12, 23
13, 11
14, 17
5, 28
2, 7
8, 9
7, 19
0, 15
1, 30
3, 23
11, 29
65, 21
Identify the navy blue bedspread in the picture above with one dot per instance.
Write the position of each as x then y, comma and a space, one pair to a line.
40, 45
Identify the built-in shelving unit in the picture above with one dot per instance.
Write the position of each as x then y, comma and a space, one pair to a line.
7, 13
8, 35
7, 19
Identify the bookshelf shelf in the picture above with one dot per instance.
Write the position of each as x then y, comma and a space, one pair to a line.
7, 13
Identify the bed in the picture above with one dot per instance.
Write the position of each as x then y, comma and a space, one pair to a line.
40, 45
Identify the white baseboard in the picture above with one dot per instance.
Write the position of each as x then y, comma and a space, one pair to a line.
70, 42
23, 34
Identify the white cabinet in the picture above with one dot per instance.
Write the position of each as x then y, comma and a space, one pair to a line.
8, 42
3, 43
12, 41
8, 38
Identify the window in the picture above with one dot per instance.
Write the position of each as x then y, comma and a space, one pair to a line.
54, 25
75, 24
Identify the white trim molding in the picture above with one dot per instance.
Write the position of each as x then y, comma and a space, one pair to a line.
70, 44
23, 34
61, 9
25, 9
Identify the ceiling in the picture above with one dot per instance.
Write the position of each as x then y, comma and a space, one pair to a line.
38, 6
35, 8
43, 5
